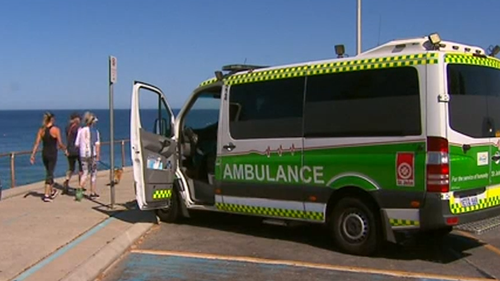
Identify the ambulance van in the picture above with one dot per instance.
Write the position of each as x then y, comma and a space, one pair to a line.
403, 137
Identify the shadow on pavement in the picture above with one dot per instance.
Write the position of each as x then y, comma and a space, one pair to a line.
127, 212
41, 193
417, 247
34, 194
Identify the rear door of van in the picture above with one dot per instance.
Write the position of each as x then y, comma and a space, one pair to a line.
473, 134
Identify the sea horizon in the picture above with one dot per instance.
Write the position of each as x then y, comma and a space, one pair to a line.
18, 129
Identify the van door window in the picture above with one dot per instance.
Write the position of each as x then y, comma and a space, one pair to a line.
154, 113
204, 112
270, 109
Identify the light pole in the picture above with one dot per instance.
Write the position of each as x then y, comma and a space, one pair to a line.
358, 27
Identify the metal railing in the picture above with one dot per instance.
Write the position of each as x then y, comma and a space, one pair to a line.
13, 155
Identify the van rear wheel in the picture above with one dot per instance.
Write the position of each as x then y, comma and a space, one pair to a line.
355, 226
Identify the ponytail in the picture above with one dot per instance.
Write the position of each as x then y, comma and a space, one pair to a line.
47, 118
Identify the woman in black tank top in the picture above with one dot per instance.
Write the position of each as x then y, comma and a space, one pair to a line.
50, 136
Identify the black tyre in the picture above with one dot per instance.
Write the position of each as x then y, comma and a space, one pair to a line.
173, 213
355, 226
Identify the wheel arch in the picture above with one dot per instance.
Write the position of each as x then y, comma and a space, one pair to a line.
353, 191
367, 197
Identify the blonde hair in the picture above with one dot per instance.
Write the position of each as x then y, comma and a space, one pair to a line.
89, 118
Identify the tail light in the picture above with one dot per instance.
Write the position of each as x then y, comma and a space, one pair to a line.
438, 168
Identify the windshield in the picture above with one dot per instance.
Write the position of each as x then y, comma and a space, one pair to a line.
204, 112
474, 99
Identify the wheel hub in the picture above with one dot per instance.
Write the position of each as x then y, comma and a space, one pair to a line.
355, 226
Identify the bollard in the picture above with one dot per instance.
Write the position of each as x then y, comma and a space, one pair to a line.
12, 170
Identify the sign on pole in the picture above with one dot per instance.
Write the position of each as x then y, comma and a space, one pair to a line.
112, 69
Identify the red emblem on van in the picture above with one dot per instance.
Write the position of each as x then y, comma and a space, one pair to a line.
405, 169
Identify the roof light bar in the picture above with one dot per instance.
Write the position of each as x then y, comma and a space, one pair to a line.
240, 67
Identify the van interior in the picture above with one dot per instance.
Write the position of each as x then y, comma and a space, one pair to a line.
198, 144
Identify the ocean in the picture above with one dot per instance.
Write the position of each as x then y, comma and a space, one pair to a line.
18, 130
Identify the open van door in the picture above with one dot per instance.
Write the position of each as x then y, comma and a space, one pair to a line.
153, 147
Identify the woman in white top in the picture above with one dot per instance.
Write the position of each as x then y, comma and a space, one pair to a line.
88, 142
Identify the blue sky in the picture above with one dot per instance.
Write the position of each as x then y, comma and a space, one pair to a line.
53, 53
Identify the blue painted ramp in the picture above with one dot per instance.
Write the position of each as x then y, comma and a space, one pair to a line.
149, 267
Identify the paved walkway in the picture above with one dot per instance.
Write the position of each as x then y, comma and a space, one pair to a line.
66, 239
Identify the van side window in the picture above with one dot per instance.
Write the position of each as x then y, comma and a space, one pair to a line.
381, 102
269, 109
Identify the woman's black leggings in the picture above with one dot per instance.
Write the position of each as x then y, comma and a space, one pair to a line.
50, 165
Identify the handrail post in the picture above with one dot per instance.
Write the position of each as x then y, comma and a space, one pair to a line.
123, 153
12, 169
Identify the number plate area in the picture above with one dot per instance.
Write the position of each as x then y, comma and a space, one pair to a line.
469, 201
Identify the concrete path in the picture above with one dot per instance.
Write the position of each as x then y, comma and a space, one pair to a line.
66, 239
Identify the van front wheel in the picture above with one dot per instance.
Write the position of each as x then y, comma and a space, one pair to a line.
171, 214
354, 227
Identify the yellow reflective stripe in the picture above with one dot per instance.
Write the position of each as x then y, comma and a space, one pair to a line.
334, 67
454, 58
492, 199
208, 81
162, 194
398, 222
489, 202
268, 211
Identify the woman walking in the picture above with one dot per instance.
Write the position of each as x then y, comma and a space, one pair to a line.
88, 141
50, 135
73, 152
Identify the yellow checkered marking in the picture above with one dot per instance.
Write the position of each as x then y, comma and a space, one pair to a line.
208, 81
470, 59
162, 194
273, 212
333, 67
456, 208
397, 222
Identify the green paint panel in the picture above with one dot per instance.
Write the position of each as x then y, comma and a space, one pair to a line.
363, 166
467, 170
376, 163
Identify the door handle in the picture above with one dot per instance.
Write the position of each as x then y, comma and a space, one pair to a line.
136, 150
229, 146
466, 147
495, 157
